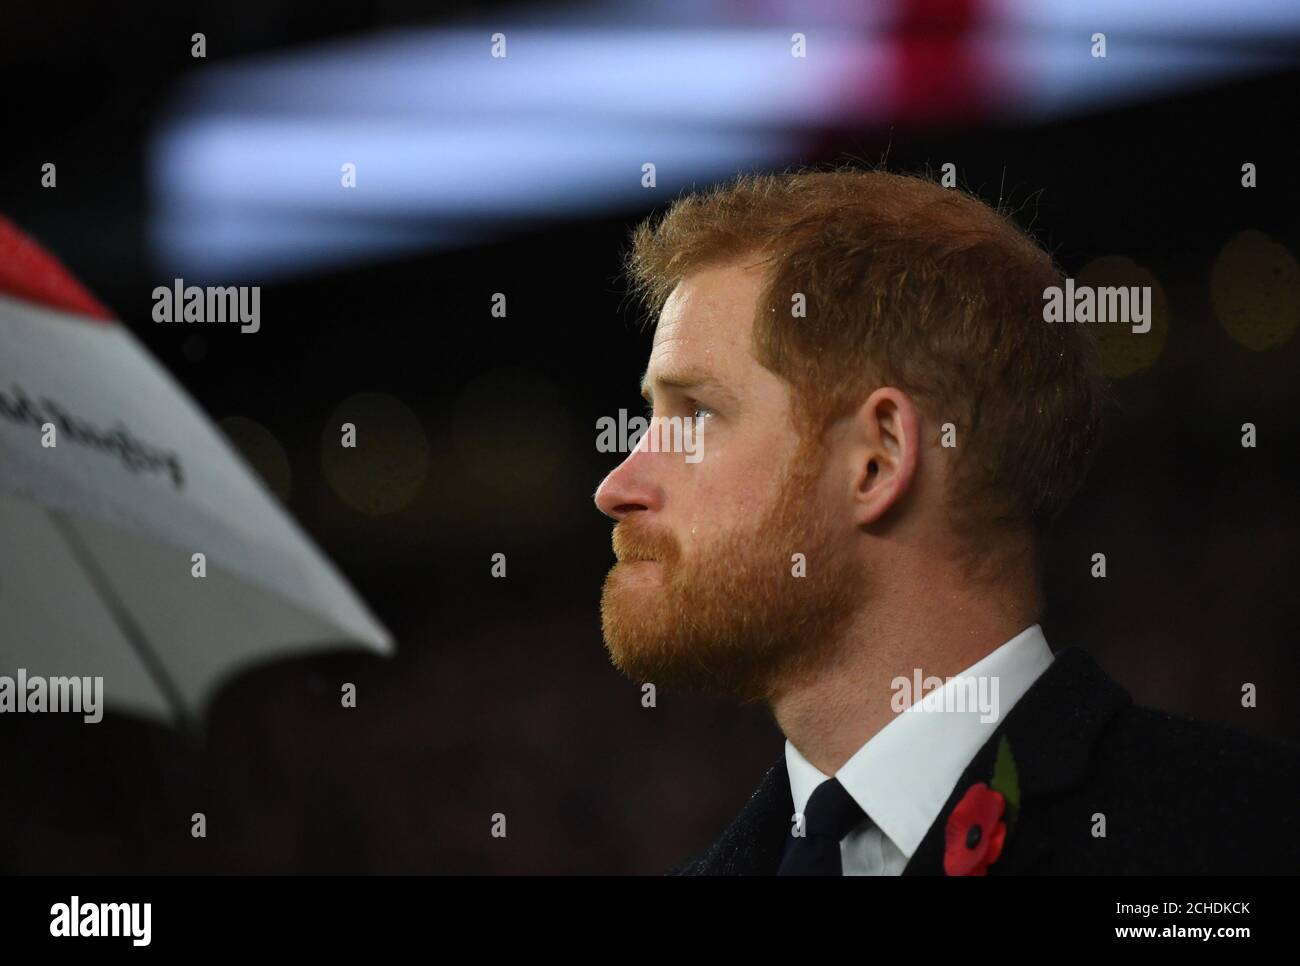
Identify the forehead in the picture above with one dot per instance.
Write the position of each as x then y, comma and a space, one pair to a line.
707, 321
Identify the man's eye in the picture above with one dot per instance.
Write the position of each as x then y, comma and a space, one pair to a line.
700, 412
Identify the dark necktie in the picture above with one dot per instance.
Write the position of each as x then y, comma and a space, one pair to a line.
830, 815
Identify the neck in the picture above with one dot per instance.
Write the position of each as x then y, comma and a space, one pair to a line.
834, 709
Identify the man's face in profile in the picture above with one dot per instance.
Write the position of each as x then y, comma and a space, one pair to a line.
705, 594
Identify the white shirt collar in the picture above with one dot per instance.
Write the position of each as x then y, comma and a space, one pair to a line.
904, 774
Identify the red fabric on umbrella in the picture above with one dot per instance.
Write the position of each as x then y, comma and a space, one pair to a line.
29, 272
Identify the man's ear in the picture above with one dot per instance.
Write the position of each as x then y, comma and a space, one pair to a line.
887, 444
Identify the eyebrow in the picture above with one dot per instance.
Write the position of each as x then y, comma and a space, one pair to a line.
686, 380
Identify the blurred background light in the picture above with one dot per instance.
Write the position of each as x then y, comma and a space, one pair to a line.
453, 146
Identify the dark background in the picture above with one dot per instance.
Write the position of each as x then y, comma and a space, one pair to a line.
500, 697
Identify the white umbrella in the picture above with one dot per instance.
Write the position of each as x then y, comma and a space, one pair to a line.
98, 533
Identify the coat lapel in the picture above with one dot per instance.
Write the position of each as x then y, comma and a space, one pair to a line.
1051, 730
752, 844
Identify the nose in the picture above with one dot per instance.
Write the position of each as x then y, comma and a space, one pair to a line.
628, 488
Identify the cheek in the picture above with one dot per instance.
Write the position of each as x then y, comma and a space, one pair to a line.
727, 495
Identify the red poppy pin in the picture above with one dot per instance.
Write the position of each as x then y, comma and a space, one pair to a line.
977, 828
